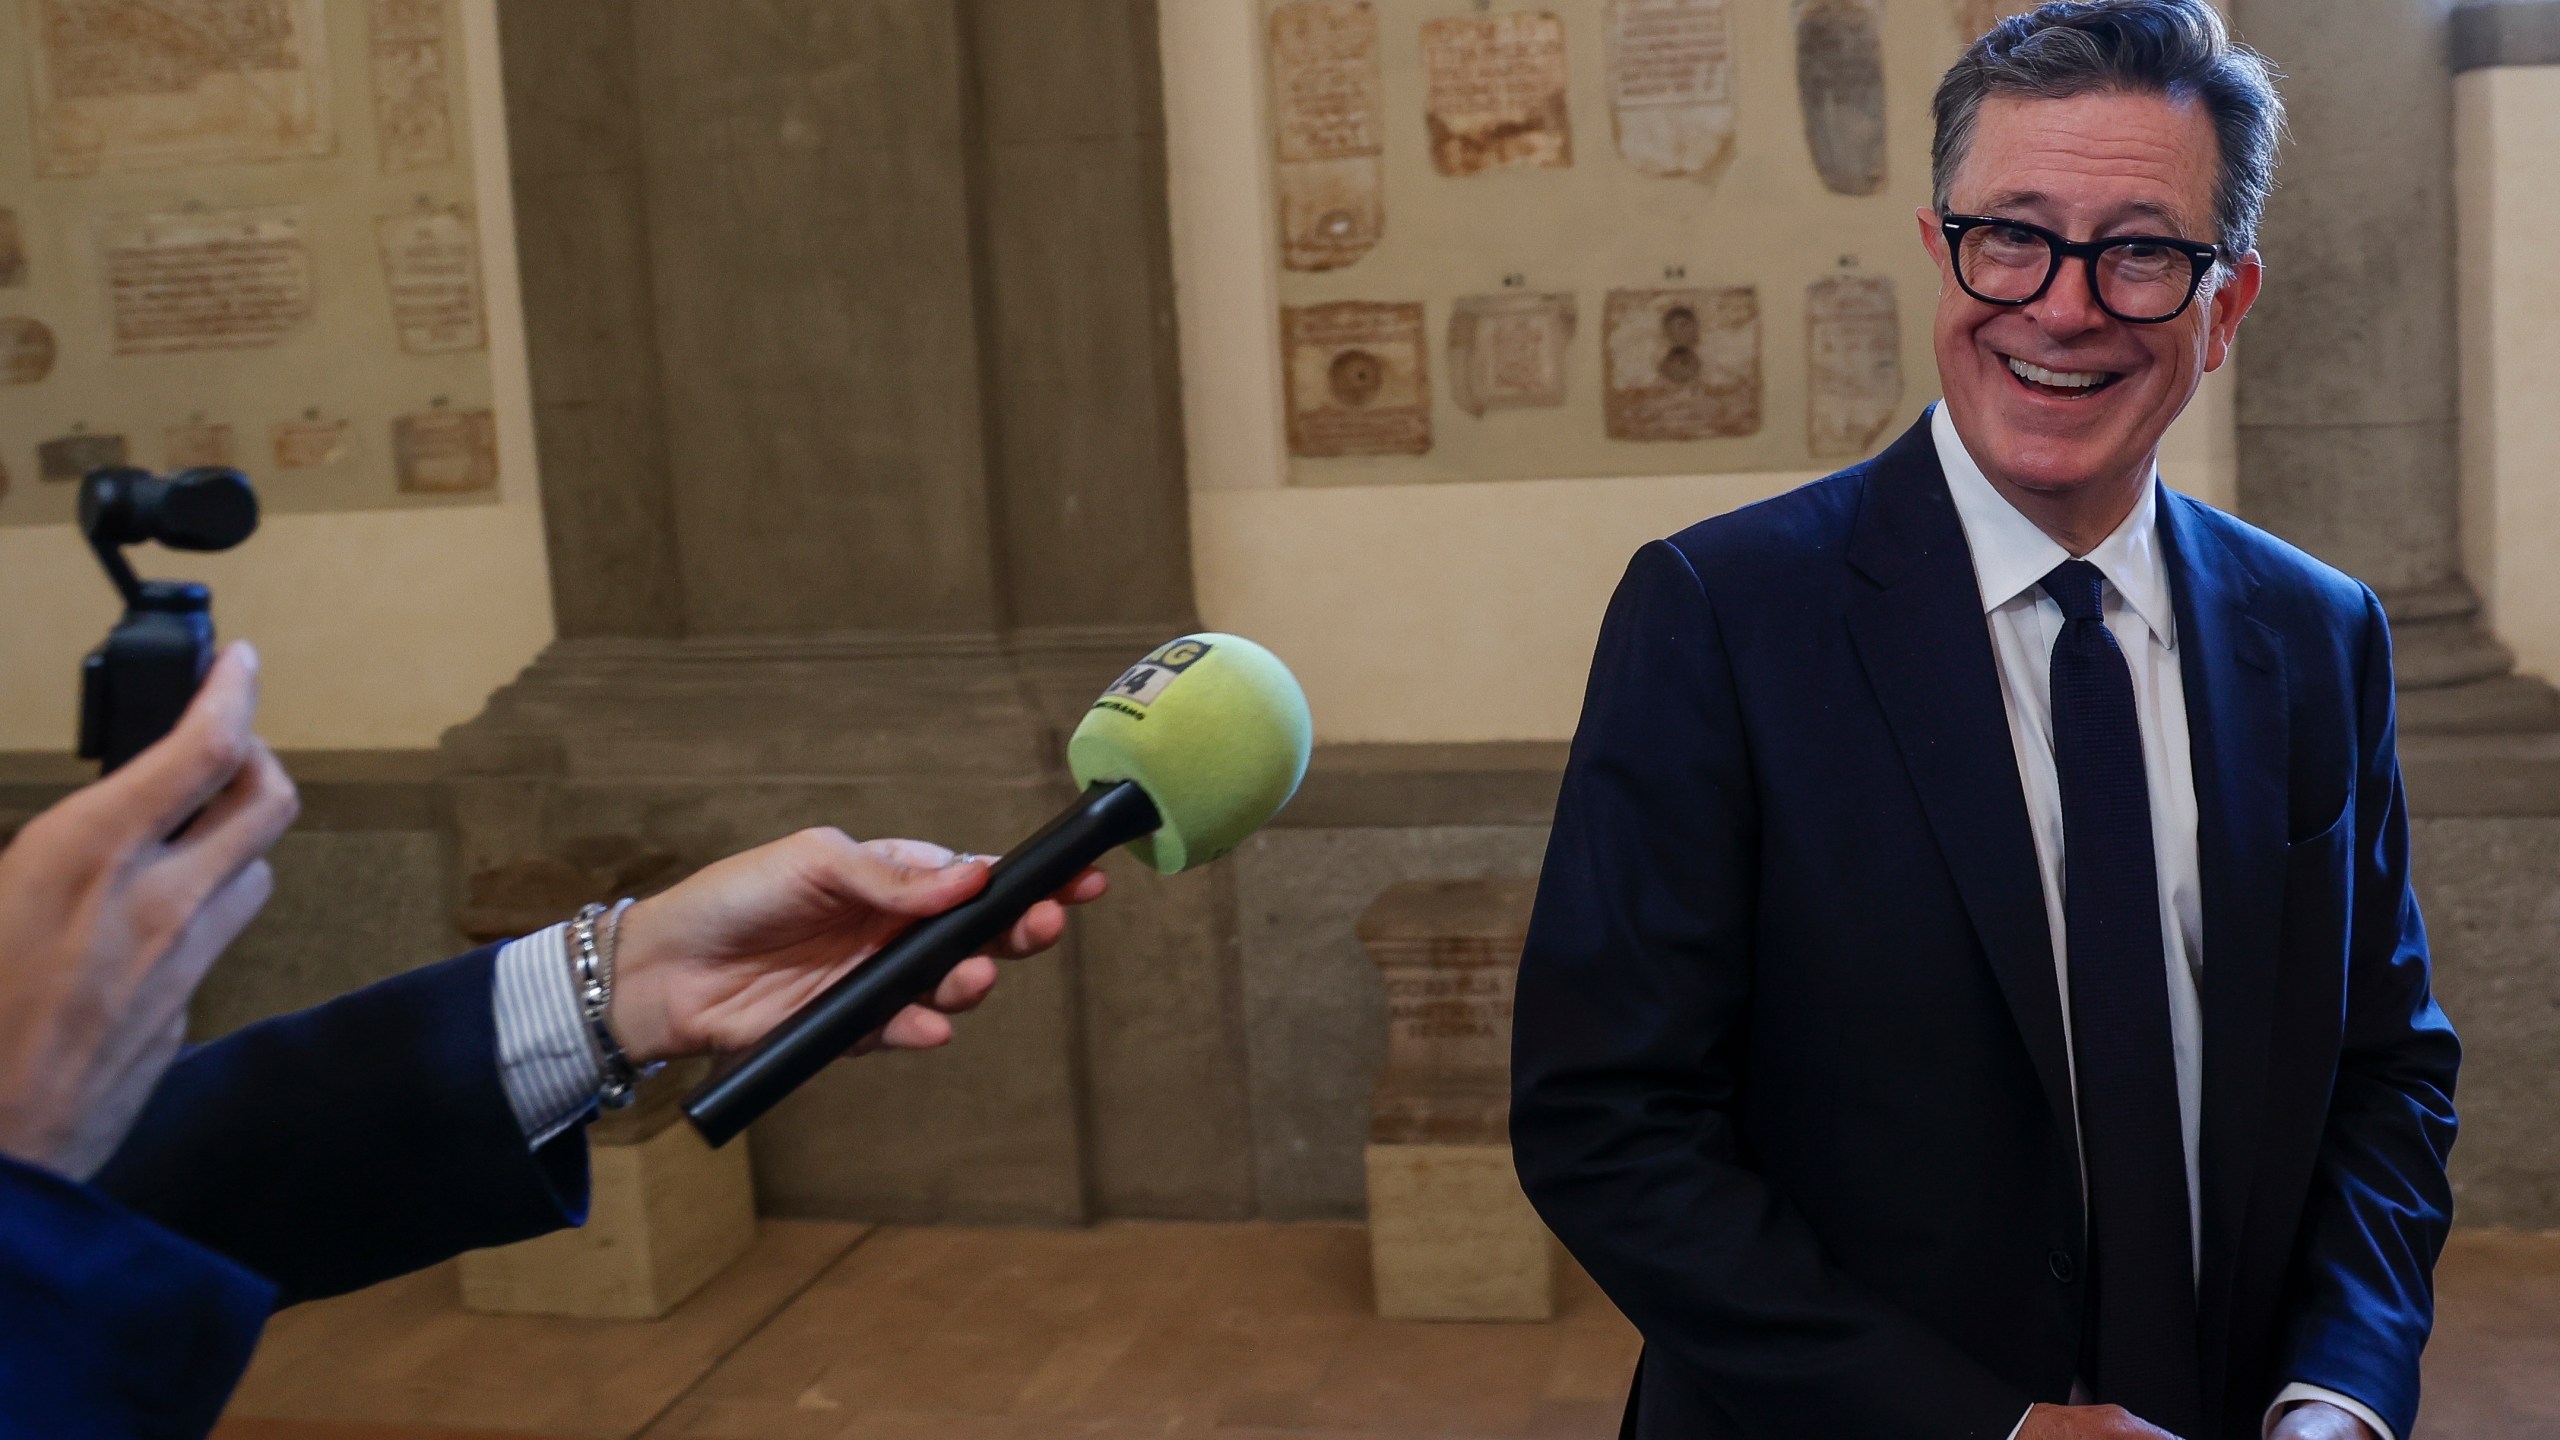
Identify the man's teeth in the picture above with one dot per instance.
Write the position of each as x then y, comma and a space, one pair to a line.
2058, 379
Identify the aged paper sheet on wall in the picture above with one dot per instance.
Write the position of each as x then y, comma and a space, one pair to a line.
1671, 84
309, 441
431, 264
195, 442
1496, 92
1507, 352
1840, 84
147, 84
445, 452
1853, 347
1326, 99
412, 96
209, 280
1682, 364
26, 350
65, 459
1358, 380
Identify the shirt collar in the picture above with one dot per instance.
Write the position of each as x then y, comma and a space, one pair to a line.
2011, 555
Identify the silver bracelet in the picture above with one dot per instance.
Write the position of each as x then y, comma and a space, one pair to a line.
594, 972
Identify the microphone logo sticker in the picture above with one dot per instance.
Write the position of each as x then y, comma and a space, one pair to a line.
1147, 679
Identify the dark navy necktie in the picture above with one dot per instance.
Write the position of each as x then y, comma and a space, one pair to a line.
2141, 1350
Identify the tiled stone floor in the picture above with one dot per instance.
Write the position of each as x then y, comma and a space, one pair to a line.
1220, 1332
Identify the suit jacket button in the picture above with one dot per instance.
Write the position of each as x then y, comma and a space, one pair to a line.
2059, 1262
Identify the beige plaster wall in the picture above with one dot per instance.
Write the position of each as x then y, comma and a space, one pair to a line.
378, 628
1444, 611
2507, 128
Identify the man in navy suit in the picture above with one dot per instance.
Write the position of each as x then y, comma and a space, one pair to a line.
1975, 989
154, 1207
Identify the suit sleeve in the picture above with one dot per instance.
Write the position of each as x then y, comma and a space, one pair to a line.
1627, 1060
342, 1145
110, 1325
2362, 1293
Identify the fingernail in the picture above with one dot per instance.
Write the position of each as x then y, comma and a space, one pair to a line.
248, 654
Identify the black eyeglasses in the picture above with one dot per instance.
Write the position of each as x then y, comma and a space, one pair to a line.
2138, 279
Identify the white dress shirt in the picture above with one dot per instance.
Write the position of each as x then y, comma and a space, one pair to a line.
2011, 557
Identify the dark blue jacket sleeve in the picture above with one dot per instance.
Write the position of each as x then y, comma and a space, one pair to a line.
1627, 1047
109, 1324
345, 1144
2362, 1295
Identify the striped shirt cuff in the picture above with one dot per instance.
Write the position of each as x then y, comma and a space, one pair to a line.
545, 1058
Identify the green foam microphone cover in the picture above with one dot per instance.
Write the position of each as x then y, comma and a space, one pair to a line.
1214, 729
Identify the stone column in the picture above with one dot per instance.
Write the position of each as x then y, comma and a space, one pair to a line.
850, 324
2347, 393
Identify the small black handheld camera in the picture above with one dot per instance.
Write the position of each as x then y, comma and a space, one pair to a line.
137, 683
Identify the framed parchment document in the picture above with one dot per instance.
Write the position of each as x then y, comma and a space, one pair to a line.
150, 84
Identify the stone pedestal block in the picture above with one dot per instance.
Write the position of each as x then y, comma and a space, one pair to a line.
1450, 1235
665, 1214
1452, 1238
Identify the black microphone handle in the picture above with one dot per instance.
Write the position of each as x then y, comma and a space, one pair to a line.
909, 967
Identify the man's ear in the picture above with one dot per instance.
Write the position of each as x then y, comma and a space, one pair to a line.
1933, 240
2231, 301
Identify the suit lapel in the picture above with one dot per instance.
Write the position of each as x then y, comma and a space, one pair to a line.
1926, 649
2233, 670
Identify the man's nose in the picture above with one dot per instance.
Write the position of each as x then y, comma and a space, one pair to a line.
2069, 306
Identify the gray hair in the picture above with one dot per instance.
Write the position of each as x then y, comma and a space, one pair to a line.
2176, 48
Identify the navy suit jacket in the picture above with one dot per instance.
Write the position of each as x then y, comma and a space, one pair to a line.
303, 1156
1789, 1070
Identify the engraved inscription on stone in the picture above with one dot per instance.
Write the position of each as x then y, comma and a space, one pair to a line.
1840, 84
1976, 17
412, 101
140, 84
219, 280
1325, 98
1357, 377
26, 350
1682, 364
1458, 1018
13, 251
1496, 92
1507, 351
1853, 345
1447, 953
431, 264
444, 452
300, 444
1671, 84
196, 442
65, 459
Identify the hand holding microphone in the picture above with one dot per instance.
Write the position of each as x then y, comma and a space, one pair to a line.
1193, 749
711, 965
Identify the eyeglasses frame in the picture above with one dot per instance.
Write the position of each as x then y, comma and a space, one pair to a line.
2201, 255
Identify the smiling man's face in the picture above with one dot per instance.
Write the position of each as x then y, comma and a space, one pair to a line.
2062, 404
